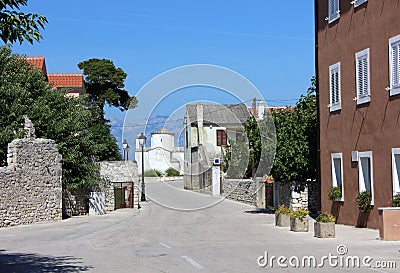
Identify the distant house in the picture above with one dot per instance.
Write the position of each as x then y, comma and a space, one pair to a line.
162, 153
207, 130
358, 85
73, 82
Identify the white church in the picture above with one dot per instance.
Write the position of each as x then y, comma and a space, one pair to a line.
162, 153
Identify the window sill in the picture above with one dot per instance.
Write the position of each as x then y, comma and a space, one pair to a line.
335, 107
394, 91
363, 100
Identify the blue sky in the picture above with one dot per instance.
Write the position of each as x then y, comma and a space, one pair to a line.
271, 43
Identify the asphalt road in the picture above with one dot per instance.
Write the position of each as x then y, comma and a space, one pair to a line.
181, 231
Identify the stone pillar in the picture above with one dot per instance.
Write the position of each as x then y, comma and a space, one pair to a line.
260, 193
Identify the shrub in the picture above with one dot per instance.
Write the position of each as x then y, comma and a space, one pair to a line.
299, 214
283, 210
325, 218
364, 200
335, 193
396, 200
152, 173
171, 172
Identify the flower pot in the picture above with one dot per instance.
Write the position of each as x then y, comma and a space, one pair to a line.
324, 230
299, 225
389, 222
282, 220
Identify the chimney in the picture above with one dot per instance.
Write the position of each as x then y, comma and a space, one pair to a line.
261, 109
199, 109
254, 107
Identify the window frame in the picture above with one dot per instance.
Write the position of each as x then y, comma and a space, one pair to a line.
334, 157
334, 106
394, 90
395, 172
333, 15
361, 182
359, 56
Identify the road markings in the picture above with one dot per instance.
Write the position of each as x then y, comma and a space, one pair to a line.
193, 262
165, 245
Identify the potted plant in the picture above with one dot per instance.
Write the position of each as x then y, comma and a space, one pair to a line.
282, 218
396, 201
324, 227
389, 220
364, 200
335, 193
299, 221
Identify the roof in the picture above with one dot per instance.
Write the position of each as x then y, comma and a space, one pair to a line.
220, 114
39, 62
163, 131
66, 80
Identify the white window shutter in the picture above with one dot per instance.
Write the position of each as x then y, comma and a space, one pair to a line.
334, 86
395, 64
333, 10
362, 76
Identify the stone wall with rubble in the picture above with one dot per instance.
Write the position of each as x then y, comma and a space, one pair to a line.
297, 195
30, 184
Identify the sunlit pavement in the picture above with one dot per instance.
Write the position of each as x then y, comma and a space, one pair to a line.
182, 231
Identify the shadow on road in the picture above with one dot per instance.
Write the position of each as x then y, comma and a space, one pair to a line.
26, 263
258, 211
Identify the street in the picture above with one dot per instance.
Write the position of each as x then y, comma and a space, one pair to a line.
178, 231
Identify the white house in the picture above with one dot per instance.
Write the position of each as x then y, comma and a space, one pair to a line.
162, 153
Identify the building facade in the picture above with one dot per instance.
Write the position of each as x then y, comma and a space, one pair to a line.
358, 83
207, 130
162, 153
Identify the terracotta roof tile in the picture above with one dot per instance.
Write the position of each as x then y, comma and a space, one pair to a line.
39, 62
66, 80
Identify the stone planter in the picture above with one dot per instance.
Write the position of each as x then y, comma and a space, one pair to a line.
299, 225
389, 223
282, 220
324, 230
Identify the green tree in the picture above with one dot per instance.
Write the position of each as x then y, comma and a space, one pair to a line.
16, 25
296, 132
104, 83
25, 91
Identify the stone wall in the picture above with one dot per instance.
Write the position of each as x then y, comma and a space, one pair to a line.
241, 190
75, 202
115, 173
297, 195
30, 185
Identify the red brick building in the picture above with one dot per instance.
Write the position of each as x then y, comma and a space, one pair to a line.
358, 82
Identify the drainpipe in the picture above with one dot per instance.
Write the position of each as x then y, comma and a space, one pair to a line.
316, 19
199, 108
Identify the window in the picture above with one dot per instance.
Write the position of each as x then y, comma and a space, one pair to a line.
394, 65
333, 10
362, 76
358, 2
221, 138
337, 172
365, 173
396, 170
334, 87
